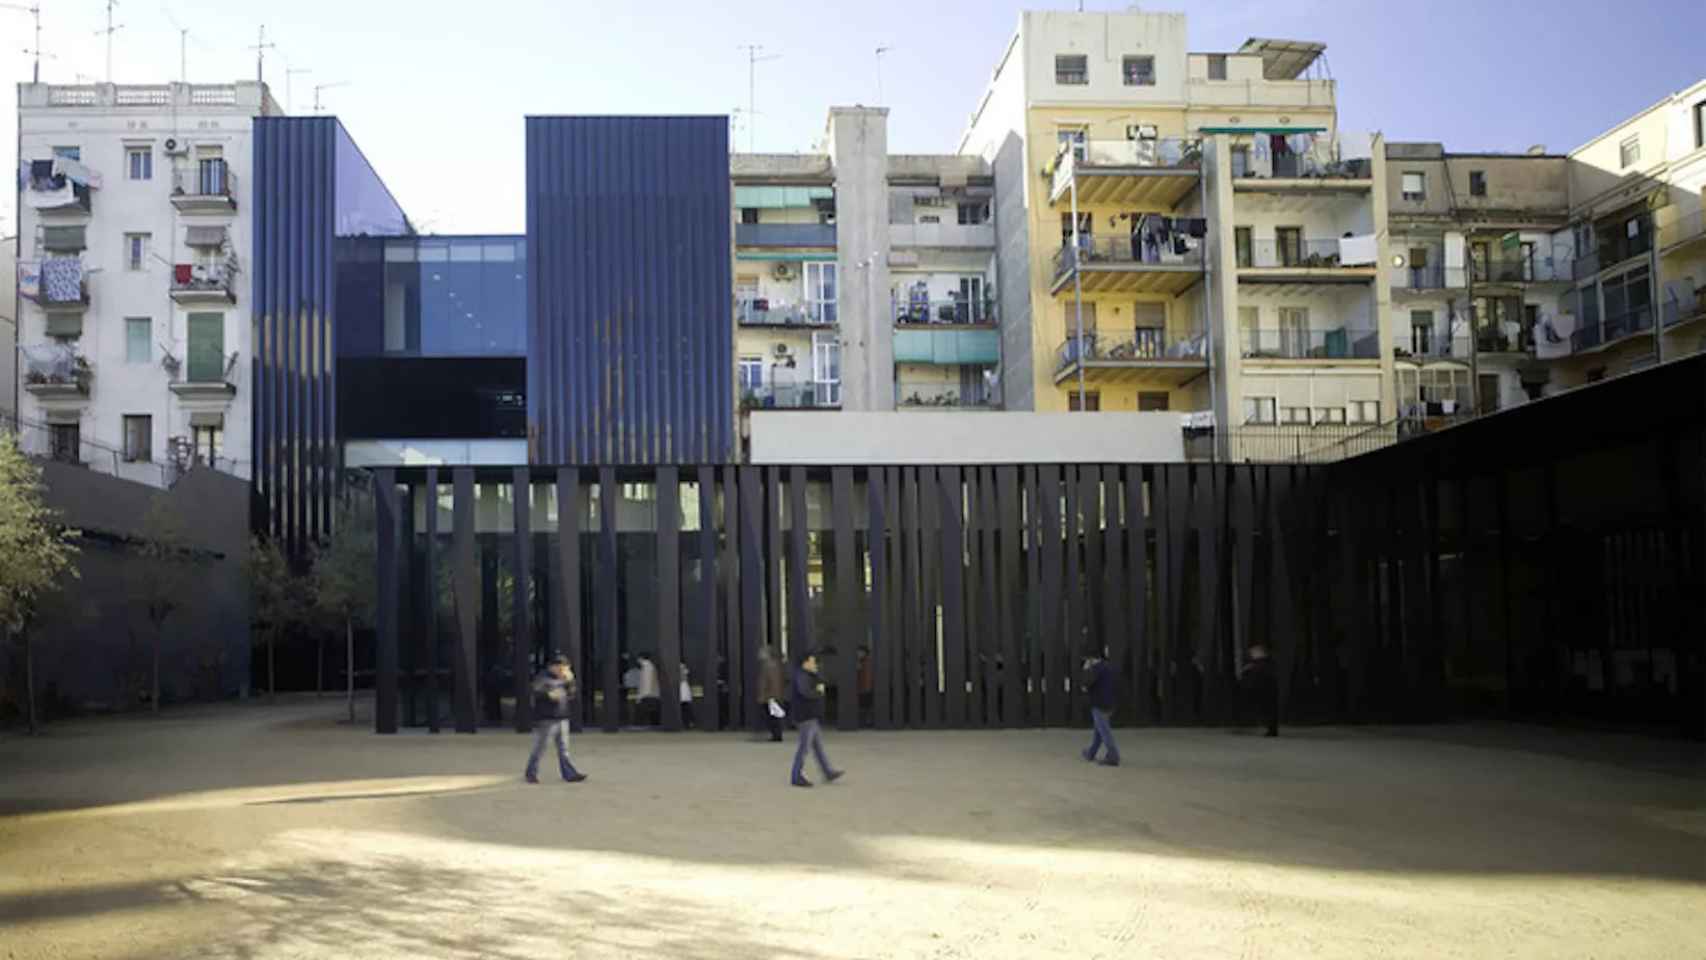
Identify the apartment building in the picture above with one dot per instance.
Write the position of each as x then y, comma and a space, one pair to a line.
1182, 231
134, 328
1481, 261
864, 280
9, 322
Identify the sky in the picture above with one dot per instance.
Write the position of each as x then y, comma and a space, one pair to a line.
434, 91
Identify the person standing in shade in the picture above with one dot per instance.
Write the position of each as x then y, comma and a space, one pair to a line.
867, 689
648, 694
807, 710
772, 691
1103, 683
1262, 686
686, 700
553, 696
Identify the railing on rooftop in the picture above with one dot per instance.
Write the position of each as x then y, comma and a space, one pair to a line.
132, 95
66, 443
1290, 443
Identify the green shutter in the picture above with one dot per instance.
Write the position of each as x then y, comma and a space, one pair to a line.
64, 325
207, 347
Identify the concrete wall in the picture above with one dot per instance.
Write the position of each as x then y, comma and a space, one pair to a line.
1105, 39
93, 640
859, 144
935, 438
9, 323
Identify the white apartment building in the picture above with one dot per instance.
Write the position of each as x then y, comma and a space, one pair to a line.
134, 331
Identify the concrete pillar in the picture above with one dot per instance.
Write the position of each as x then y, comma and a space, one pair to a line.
858, 145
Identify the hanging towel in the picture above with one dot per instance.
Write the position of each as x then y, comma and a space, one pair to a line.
62, 280
1358, 250
49, 199
29, 279
76, 172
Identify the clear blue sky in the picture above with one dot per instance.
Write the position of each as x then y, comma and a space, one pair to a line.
436, 94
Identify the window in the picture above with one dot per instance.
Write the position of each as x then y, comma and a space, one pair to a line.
138, 438
1153, 400
136, 249
748, 214
138, 340
139, 162
1071, 70
751, 374
1240, 161
1259, 410
69, 153
826, 369
206, 347
1090, 403
1325, 416
208, 441
1084, 222
1481, 258
64, 442
1421, 332
1294, 332
1294, 415
1477, 183
1363, 411
1489, 383
1138, 71
1415, 187
1073, 137
210, 177
1700, 125
976, 212
1629, 151
930, 218
1242, 246
1289, 240
1217, 66
820, 291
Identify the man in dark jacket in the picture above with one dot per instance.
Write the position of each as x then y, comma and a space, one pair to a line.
807, 711
1103, 681
772, 690
1261, 686
553, 695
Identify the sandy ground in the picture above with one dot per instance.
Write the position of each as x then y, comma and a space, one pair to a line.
264, 832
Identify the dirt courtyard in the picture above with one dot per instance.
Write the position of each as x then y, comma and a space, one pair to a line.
263, 832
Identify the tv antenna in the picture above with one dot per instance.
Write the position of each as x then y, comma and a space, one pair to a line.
326, 86
753, 59
34, 10
880, 51
183, 46
289, 72
261, 46
111, 29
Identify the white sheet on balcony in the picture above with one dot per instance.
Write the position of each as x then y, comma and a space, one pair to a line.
49, 199
1358, 251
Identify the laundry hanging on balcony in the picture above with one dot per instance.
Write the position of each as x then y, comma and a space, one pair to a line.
48, 199
62, 280
76, 172
29, 279
1357, 251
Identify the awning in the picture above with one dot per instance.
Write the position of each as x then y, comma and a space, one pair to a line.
205, 237
1279, 130
791, 257
63, 416
1284, 59
205, 418
781, 198
63, 238
64, 325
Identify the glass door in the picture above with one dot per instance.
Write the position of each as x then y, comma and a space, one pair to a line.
820, 291
969, 305
826, 369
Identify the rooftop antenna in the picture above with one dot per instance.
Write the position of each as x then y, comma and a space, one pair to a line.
34, 10
261, 46
290, 71
183, 46
880, 51
752, 61
325, 86
109, 31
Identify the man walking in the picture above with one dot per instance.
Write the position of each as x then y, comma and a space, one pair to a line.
772, 690
1102, 681
807, 710
1262, 687
553, 694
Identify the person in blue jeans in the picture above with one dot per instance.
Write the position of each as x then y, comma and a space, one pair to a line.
807, 711
553, 696
1102, 680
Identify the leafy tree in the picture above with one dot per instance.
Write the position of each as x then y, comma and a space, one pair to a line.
279, 598
162, 576
36, 553
344, 584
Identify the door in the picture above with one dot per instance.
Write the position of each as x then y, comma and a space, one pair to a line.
1242, 246
1294, 331
1290, 243
820, 291
1419, 268
969, 303
1089, 343
826, 369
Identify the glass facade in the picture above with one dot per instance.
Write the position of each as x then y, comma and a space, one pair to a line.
433, 296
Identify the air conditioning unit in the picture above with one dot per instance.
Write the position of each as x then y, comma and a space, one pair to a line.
783, 270
780, 349
1141, 131
176, 147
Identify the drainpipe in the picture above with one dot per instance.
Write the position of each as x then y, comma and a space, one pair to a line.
1078, 292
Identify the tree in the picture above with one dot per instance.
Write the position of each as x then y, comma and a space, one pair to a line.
162, 578
37, 553
344, 583
278, 596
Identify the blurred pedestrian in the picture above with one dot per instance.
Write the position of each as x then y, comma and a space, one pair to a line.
554, 692
1103, 683
1261, 687
807, 710
647, 693
772, 691
867, 689
686, 700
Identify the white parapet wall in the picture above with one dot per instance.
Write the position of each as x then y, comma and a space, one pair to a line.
915, 437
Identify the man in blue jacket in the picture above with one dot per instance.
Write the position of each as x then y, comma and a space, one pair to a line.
1103, 682
807, 711
553, 695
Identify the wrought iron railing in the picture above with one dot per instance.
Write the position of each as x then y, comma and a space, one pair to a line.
1339, 343
1183, 253
1131, 346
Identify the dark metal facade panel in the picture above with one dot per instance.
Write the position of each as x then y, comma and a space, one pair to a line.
801, 640
604, 592
429, 596
1053, 636
752, 583
465, 584
566, 624
738, 646
705, 666
668, 597
878, 611
386, 537
849, 587
630, 328
1011, 597
521, 644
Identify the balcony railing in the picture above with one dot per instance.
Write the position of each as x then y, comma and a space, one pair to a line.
1612, 329
804, 396
1620, 248
913, 395
1433, 347
1520, 270
1167, 152
763, 312
1502, 341
950, 236
1679, 311
785, 234
199, 282
1684, 230
1429, 278
1099, 251
948, 312
1585, 266
1317, 254
1134, 346
1340, 343
208, 181
1307, 157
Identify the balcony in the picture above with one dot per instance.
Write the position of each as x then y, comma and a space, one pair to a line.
785, 234
1122, 265
1620, 248
1519, 340
942, 236
937, 395
209, 188
201, 285
805, 396
1306, 164
947, 345
1681, 234
1422, 280
1340, 343
1299, 261
55, 372
1511, 271
1677, 312
1430, 348
1154, 173
1145, 356
764, 312
935, 313
59, 198
1594, 336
